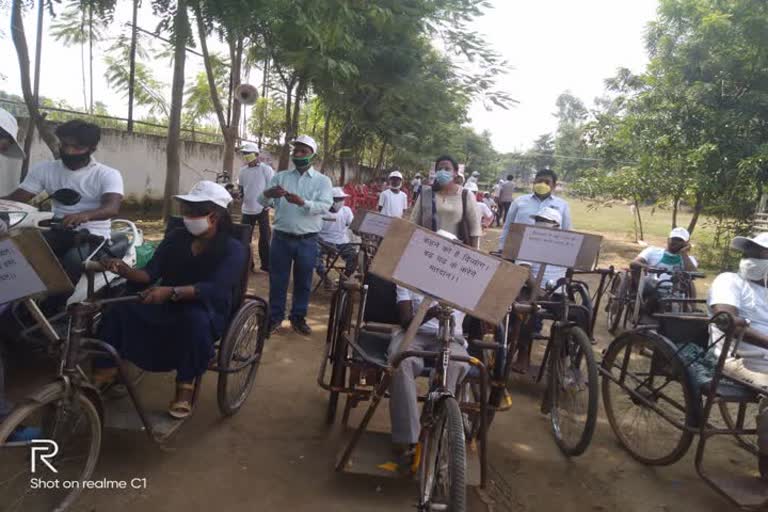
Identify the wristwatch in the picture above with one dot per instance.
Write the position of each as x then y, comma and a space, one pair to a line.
175, 294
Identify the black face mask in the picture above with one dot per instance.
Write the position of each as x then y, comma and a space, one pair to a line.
74, 162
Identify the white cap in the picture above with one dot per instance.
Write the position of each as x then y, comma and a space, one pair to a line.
396, 174
549, 213
9, 124
681, 233
307, 141
338, 192
207, 191
741, 243
475, 173
249, 147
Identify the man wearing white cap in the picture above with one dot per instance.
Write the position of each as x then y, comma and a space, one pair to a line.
744, 294
674, 257
10, 148
471, 183
393, 201
254, 177
301, 197
335, 235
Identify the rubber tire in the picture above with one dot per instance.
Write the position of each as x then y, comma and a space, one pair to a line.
447, 412
342, 309
617, 291
229, 344
691, 407
24, 410
584, 345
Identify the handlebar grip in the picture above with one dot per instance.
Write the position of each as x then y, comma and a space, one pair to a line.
524, 308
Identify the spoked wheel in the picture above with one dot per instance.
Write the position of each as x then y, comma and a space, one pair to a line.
741, 415
443, 465
573, 391
240, 355
641, 376
67, 429
615, 309
339, 320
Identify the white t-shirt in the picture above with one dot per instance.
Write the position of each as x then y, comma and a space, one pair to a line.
751, 301
91, 182
393, 204
254, 181
471, 185
655, 256
335, 226
485, 212
433, 325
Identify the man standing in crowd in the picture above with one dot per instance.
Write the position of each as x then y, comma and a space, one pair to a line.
10, 148
393, 201
522, 209
254, 178
506, 196
416, 186
471, 184
100, 188
495, 192
301, 197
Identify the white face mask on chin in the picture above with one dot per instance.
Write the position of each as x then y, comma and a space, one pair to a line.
753, 269
197, 225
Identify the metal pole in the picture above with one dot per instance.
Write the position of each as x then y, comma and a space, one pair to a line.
132, 72
36, 90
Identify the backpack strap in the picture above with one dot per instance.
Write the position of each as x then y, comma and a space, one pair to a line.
464, 219
428, 214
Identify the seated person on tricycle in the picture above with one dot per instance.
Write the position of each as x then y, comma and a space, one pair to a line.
178, 321
744, 294
675, 257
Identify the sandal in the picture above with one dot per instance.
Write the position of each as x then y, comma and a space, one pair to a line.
181, 409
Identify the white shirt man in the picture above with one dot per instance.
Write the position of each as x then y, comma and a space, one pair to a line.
254, 177
486, 214
334, 236
91, 181
393, 202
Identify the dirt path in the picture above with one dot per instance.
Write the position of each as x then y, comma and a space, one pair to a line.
277, 455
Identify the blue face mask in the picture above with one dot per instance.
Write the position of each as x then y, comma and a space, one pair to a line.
443, 177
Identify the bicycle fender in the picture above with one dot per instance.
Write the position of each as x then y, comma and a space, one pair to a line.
54, 390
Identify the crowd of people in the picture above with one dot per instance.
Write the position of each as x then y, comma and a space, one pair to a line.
299, 217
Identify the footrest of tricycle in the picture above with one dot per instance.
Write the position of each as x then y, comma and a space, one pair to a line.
122, 415
749, 492
373, 456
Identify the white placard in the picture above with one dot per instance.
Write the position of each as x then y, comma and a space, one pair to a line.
375, 224
17, 277
445, 270
550, 246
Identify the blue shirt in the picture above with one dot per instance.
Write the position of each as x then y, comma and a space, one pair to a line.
313, 187
522, 209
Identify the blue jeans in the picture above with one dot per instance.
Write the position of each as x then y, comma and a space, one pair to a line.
284, 253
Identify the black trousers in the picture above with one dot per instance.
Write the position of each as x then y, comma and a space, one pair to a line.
265, 234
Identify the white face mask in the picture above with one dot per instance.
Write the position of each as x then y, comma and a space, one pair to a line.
337, 205
753, 269
197, 225
545, 224
396, 187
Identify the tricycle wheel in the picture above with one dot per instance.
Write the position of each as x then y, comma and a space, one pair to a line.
643, 375
69, 429
340, 323
240, 355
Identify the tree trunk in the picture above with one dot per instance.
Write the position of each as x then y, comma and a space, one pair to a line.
37, 120
327, 154
229, 142
381, 154
697, 208
82, 61
639, 220
90, 53
173, 170
289, 135
264, 90
132, 65
675, 207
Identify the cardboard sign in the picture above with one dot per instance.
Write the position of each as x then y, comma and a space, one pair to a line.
367, 222
29, 267
558, 247
467, 279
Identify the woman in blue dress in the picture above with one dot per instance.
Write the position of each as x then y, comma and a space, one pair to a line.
193, 277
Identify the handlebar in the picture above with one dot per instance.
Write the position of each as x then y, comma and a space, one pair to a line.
599, 271
659, 271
